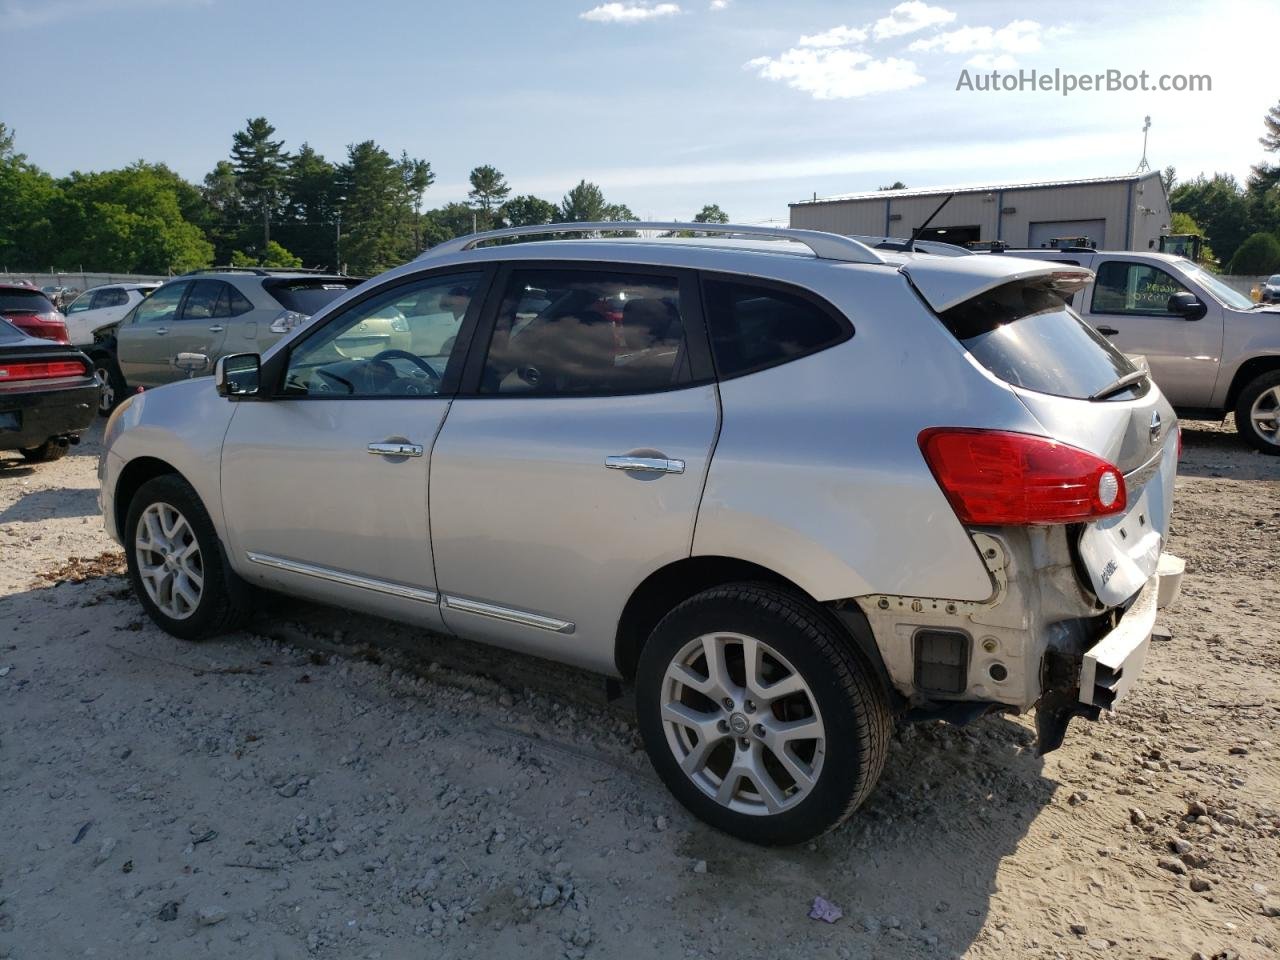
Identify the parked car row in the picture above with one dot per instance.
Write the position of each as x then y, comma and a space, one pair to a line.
792, 488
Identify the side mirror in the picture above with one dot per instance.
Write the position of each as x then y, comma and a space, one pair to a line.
238, 375
1187, 306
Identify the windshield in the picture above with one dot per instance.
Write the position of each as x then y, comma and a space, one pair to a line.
1222, 293
1273, 280
1026, 335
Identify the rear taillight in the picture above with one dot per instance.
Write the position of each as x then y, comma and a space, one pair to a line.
1179, 429
43, 370
287, 320
994, 478
46, 326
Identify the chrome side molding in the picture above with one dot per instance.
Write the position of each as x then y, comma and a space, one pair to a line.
495, 612
462, 604
346, 579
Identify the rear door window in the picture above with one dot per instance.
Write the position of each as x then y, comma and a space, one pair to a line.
587, 333
1026, 335
307, 295
1136, 289
754, 326
206, 301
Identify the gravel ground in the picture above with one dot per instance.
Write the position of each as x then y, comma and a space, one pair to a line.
332, 786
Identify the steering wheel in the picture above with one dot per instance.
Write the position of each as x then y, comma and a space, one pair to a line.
413, 358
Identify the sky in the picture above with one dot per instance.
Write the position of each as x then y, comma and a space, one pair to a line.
750, 104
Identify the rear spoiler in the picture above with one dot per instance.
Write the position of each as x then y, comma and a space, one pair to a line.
945, 282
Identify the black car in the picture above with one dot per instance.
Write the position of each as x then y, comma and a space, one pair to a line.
48, 394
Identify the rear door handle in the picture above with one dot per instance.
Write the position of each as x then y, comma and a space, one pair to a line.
396, 448
1108, 331
161, 331
217, 328
644, 464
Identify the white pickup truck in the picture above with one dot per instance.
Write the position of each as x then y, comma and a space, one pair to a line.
1209, 347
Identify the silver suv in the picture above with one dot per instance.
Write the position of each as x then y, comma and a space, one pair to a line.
1212, 350
793, 488
182, 328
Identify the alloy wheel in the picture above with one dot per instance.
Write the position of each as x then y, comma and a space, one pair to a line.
170, 564
742, 723
1264, 415
107, 393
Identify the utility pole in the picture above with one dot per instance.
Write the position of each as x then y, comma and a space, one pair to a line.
1143, 166
337, 245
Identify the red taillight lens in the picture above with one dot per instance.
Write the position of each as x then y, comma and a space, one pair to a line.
1179, 441
993, 478
10, 372
46, 326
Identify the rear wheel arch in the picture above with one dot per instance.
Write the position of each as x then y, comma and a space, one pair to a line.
665, 589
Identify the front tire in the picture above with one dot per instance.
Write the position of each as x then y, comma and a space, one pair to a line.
113, 386
176, 563
51, 449
759, 715
1258, 413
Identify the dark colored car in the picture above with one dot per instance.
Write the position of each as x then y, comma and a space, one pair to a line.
32, 312
48, 394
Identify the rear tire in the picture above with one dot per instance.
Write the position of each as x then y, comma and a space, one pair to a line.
51, 449
1258, 413
177, 565
775, 755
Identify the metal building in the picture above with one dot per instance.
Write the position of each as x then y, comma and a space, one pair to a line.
1116, 213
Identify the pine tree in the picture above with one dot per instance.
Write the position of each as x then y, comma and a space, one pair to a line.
261, 166
1271, 139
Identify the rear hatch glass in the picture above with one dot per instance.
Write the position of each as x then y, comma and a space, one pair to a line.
307, 295
24, 302
1025, 334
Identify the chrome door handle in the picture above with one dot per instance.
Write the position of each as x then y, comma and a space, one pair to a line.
217, 328
161, 331
644, 464
395, 448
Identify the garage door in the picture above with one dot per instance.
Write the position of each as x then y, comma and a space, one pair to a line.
1046, 230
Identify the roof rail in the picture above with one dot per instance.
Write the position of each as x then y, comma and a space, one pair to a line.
825, 246
939, 247
263, 271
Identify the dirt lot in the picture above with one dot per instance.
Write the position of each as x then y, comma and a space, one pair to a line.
338, 787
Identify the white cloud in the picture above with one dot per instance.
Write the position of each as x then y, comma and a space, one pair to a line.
629, 12
720, 4
840, 36
837, 73
15, 14
990, 61
910, 17
1018, 36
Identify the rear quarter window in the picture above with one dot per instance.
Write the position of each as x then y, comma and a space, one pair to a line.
755, 325
1027, 335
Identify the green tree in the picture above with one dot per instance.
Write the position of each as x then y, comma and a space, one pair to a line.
1169, 177
308, 222
1271, 139
273, 256
896, 185
583, 204
488, 191
261, 167
445, 223
711, 213
1219, 205
130, 221
1182, 223
28, 198
1259, 254
225, 211
529, 211
380, 196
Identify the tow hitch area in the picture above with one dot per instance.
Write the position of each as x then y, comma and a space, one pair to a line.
1086, 685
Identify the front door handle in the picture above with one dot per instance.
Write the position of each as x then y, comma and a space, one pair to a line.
396, 448
1108, 331
217, 328
644, 464
161, 331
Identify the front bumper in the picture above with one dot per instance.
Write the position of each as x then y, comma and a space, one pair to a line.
35, 414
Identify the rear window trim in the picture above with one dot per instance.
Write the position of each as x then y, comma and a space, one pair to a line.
846, 325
